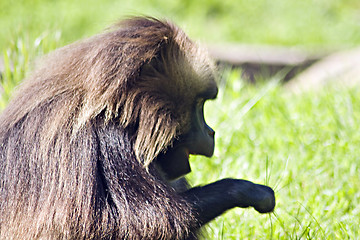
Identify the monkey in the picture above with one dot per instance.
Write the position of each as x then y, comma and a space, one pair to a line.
95, 144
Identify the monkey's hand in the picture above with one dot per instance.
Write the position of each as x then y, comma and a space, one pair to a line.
211, 200
247, 194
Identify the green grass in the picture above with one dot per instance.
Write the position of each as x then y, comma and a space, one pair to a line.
305, 146
313, 23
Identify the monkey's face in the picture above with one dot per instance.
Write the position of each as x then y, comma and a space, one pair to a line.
197, 139
179, 80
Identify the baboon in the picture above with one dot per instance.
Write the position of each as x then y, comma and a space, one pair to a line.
96, 141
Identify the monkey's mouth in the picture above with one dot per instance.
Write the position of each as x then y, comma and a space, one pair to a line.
188, 153
174, 163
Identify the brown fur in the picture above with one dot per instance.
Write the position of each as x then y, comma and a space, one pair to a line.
78, 140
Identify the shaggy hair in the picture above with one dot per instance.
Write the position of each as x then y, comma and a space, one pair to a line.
78, 139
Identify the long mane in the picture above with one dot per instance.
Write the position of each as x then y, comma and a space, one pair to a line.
86, 110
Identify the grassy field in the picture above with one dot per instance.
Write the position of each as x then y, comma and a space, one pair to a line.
306, 146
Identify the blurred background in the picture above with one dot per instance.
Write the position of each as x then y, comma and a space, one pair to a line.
313, 23
305, 144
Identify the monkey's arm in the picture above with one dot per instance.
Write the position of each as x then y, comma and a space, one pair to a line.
212, 200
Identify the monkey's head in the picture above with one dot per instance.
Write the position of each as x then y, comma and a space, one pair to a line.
144, 74
168, 99
179, 79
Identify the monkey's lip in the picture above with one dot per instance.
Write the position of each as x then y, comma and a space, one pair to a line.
188, 152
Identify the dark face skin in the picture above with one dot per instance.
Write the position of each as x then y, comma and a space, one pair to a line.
199, 140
